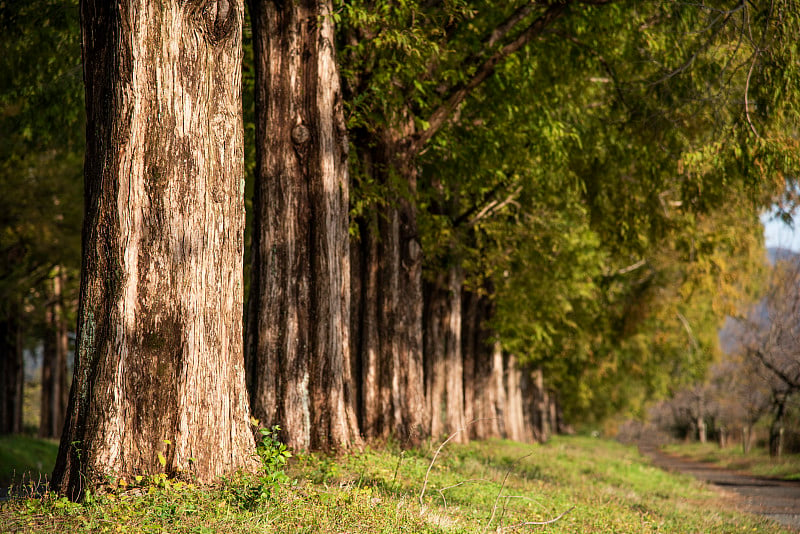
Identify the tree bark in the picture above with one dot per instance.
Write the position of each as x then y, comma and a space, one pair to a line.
498, 384
470, 351
541, 402
435, 360
159, 379
53, 405
391, 316
298, 352
12, 377
444, 361
514, 413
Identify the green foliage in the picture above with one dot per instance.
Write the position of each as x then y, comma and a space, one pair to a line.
273, 456
626, 184
41, 152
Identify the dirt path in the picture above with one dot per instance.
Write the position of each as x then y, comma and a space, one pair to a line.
777, 499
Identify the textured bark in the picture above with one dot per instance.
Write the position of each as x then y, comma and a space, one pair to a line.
516, 413
444, 362
541, 407
435, 361
487, 392
53, 405
159, 372
469, 352
365, 315
497, 384
298, 353
11, 368
390, 340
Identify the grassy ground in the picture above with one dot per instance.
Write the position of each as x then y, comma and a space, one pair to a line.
24, 458
599, 486
757, 461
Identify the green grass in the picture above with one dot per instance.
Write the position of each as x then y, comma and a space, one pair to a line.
24, 458
604, 487
757, 461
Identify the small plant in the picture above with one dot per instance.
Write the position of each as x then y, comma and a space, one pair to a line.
273, 456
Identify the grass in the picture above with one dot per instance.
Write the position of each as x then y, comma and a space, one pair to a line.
478, 487
23, 458
757, 461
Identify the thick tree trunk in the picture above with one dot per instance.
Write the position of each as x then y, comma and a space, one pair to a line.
498, 384
159, 379
298, 350
470, 351
435, 363
390, 339
11, 368
53, 405
515, 419
541, 403
365, 315
444, 372
453, 356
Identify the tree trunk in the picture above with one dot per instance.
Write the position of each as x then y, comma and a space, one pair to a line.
390, 310
54, 397
12, 377
435, 361
159, 383
298, 348
453, 357
776, 430
723, 437
702, 435
498, 384
470, 351
444, 370
539, 400
365, 315
515, 403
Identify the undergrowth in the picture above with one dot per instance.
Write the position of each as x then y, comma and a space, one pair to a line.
584, 484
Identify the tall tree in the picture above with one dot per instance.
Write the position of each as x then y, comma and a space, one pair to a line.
159, 379
406, 82
298, 320
42, 124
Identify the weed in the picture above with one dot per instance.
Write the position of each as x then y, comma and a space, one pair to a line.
273, 456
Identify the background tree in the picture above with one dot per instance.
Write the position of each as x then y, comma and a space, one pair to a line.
42, 120
159, 381
298, 330
770, 339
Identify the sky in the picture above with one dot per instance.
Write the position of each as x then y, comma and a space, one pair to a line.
778, 234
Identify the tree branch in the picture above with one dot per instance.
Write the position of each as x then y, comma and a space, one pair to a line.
793, 385
459, 92
494, 206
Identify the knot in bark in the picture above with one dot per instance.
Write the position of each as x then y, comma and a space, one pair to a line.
300, 134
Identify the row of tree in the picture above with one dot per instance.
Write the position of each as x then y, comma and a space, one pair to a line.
461, 212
